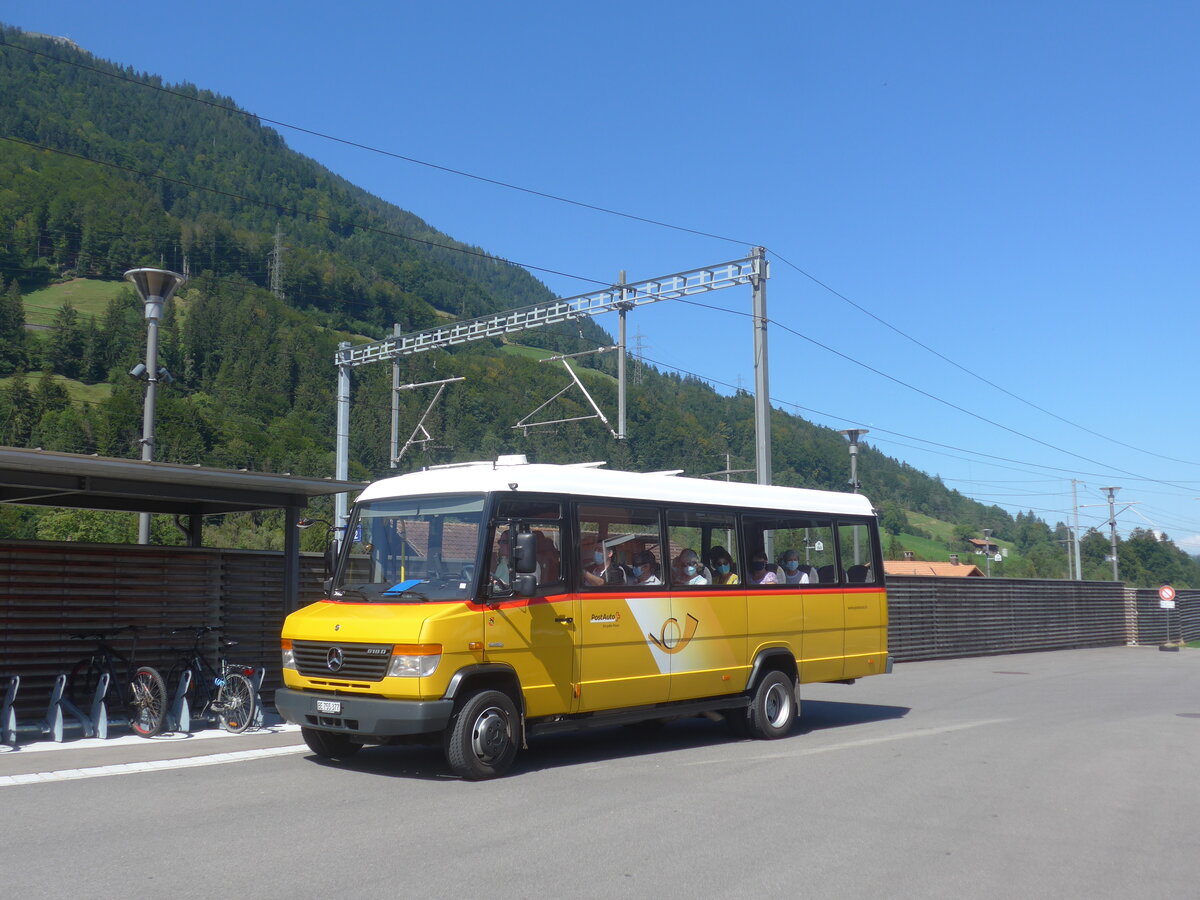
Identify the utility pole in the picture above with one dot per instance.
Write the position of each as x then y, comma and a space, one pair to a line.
1112, 524
1075, 534
393, 462
762, 392
987, 547
622, 309
342, 445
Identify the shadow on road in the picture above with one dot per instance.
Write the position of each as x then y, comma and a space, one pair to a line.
426, 762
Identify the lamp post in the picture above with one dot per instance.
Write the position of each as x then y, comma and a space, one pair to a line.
155, 287
853, 434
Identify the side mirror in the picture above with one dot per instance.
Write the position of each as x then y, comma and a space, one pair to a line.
525, 585
329, 561
525, 554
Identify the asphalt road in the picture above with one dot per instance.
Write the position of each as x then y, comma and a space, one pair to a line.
1070, 774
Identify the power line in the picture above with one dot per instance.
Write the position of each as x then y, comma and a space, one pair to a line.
388, 153
609, 211
967, 371
929, 395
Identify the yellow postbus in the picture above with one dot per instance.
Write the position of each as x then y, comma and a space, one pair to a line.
483, 603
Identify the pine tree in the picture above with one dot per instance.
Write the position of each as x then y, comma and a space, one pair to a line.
12, 329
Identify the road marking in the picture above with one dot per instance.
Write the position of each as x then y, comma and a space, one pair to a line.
850, 745
156, 765
134, 740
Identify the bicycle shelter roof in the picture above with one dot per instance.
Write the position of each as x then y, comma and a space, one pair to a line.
44, 478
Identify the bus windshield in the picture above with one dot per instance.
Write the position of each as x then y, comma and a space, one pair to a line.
411, 550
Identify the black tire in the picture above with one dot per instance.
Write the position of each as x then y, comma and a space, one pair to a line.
81, 683
772, 711
235, 703
147, 702
482, 740
329, 744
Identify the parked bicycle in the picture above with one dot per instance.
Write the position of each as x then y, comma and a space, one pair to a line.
223, 692
139, 691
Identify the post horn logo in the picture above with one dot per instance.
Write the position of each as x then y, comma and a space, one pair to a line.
670, 640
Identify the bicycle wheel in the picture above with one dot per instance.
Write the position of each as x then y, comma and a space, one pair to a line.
235, 703
147, 702
81, 683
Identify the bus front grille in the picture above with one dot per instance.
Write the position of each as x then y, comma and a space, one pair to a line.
357, 662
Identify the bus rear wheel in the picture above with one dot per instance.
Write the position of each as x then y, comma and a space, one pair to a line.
482, 741
772, 710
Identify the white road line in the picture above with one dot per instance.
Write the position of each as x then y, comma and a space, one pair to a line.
850, 745
132, 740
156, 765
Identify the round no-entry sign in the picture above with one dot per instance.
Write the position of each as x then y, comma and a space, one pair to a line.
1166, 592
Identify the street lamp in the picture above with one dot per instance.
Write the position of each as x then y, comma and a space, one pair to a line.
155, 287
853, 434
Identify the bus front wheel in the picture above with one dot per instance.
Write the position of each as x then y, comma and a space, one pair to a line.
482, 741
329, 744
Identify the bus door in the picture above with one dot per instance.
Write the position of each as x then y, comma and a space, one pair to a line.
537, 636
863, 601
704, 637
624, 599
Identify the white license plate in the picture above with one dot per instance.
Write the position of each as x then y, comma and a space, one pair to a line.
329, 706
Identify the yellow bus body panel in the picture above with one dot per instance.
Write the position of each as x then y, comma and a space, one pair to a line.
455, 626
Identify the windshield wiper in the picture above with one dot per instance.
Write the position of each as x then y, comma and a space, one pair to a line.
342, 591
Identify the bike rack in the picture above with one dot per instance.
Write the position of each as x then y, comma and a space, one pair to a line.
260, 672
8, 715
179, 718
61, 714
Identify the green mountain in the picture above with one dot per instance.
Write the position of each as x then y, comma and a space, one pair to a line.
103, 169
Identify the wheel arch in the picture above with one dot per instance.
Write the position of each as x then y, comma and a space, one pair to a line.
485, 677
773, 659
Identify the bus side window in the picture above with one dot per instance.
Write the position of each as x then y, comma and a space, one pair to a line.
856, 553
804, 547
612, 540
702, 548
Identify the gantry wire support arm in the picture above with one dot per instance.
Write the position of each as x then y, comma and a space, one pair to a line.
420, 429
597, 414
612, 299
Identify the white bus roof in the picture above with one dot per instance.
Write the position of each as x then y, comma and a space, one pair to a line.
512, 473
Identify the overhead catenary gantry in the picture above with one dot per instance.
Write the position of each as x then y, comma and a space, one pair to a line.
620, 298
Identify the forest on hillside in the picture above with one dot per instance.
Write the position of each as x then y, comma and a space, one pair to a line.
99, 175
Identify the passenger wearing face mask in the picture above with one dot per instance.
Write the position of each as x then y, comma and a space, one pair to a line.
793, 572
645, 568
722, 566
688, 569
759, 573
596, 572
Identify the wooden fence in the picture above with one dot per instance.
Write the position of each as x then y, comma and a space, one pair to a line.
49, 591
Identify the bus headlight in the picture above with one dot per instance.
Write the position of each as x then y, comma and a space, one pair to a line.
289, 658
414, 660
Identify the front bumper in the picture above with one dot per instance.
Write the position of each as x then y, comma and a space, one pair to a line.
364, 715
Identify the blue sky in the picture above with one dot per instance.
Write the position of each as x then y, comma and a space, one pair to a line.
1013, 185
